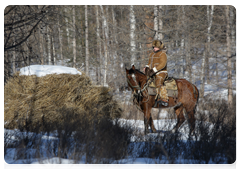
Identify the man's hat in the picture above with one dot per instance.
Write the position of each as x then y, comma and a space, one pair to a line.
158, 44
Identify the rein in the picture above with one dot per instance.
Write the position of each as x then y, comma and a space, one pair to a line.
134, 79
140, 91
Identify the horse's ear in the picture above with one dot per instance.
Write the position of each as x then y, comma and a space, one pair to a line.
126, 70
133, 67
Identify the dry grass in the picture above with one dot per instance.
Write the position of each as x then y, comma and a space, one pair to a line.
42, 97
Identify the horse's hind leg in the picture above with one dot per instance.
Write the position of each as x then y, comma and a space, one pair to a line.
191, 121
152, 125
180, 118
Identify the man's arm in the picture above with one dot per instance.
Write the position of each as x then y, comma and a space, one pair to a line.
162, 63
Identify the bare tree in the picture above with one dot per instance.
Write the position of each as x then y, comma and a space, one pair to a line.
105, 39
182, 44
132, 34
19, 22
205, 65
49, 46
156, 22
86, 41
115, 44
209, 19
67, 25
160, 26
74, 38
191, 34
41, 45
54, 51
229, 62
99, 51
60, 40
14, 59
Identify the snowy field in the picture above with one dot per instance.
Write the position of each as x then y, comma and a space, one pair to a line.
163, 126
137, 144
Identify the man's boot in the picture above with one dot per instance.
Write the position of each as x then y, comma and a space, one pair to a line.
164, 96
157, 97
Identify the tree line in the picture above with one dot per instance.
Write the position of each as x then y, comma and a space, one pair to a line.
103, 40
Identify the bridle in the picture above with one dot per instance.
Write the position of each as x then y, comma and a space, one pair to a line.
135, 81
138, 88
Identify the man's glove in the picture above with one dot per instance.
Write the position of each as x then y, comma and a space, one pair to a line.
151, 73
147, 71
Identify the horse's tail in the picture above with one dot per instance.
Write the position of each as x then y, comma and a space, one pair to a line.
197, 98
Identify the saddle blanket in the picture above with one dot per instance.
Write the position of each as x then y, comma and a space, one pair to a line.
169, 84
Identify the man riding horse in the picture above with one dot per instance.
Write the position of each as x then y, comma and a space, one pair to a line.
157, 66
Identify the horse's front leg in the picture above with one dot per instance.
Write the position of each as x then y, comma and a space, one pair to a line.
148, 121
152, 125
146, 117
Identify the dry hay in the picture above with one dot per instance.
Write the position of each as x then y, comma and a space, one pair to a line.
35, 98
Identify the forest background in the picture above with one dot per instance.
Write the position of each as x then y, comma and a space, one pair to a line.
102, 40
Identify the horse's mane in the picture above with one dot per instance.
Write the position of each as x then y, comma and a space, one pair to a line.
131, 71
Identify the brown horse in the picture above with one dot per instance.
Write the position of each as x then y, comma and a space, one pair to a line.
184, 106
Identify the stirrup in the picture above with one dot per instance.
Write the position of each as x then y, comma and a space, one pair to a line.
164, 103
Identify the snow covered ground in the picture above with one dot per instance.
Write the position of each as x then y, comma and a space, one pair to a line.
138, 125
162, 126
136, 162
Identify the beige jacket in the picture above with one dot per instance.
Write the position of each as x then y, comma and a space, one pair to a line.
158, 61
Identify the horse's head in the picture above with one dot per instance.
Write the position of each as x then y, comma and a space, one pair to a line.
133, 79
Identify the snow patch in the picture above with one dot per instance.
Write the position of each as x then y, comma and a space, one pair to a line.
43, 70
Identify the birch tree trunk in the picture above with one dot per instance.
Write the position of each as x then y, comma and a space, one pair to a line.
99, 51
115, 43
205, 65
182, 42
203, 75
13, 61
155, 22
188, 59
67, 29
86, 41
41, 45
26, 49
74, 39
105, 39
233, 31
160, 26
233, 37
60, 40
54, 52
81, 37
45, 53
209, 18
182, 57
49, 46
14, 58
132, 35
229, 62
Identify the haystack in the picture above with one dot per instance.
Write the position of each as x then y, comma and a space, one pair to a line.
35, 98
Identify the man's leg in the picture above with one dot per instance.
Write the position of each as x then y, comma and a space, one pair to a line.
161, 90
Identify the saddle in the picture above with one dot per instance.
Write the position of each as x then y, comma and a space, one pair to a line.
169, 83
